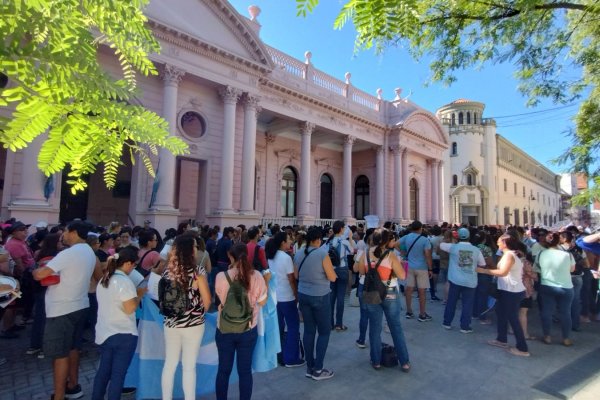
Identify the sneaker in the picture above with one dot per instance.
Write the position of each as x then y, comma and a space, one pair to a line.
435, 298
485, 321
41, 355
409, 315
309, 373
322, 374
31, 351
298, 363
361, 345
447, 327
424, 318
468, 330
74, 393
128, 390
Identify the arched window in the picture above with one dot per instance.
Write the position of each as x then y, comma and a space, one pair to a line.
453, 121
288, 192
475, 118
326, 197
468, 117
533, 218
470, 180
460, 118
454, 149
454, 180
414, 199
361, 197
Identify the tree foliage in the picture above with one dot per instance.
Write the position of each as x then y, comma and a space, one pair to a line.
553, 44
49, 52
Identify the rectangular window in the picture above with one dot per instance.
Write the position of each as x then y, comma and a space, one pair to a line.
505, 185
523, 191
515, 188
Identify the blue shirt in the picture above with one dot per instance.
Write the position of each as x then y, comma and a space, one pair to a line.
416, 257
223, 247
343, 249
312, 280
464, 259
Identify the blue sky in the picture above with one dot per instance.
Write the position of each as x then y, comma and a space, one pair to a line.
540, 134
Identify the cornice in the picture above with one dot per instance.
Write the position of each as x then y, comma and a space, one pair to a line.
527, 177
195, 45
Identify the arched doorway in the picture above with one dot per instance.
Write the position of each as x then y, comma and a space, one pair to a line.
361, 197
326, 209
289, 182
414, 199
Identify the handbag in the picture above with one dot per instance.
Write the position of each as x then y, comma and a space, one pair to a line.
389, 358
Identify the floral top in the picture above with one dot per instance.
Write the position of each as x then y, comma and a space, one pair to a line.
195, 315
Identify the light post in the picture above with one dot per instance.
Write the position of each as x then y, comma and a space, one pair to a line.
530, 220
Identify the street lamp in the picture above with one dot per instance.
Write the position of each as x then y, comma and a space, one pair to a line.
529, 199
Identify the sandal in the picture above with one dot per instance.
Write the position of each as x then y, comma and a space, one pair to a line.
405, 368
376, 367
531, 338
497, 343
340, 328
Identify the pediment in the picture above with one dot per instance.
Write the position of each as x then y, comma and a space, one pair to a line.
470, 169
214, 22
426, 125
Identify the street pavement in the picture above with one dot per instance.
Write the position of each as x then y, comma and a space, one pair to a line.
445, 365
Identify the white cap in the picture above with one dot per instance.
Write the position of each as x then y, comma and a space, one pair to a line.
41, 224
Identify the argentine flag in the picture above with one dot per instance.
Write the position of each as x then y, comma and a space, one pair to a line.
146, 366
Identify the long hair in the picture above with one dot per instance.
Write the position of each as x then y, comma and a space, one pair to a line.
274, 244
49, 247
182, 261
381, 238
239, 252
126, 254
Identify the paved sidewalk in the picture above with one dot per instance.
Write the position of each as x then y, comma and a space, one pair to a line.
445, 365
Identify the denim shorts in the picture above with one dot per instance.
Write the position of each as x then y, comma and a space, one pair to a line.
63, 333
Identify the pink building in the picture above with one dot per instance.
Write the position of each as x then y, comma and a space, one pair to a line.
271, 138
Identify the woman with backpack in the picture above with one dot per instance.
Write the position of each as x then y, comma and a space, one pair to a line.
381, 260
116, 331
315, 272
242, 291
286, 290
183, 332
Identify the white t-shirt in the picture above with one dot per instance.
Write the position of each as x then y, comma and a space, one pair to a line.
75, 266
282, 265
112, 319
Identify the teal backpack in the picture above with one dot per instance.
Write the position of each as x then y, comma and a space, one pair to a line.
236, 314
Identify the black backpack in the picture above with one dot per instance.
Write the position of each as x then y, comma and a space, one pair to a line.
375, 290
334, 253
173, 300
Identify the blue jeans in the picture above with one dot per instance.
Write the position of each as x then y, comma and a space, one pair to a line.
467, 295
364, 315
507, 311
338, 291
480, 303
391, 307
316, 314
287, 314
553, 297
576, 304
230, 345
39, 319
115, 355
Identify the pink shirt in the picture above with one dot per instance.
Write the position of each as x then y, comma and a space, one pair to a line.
19, 250
256, 294
150, 260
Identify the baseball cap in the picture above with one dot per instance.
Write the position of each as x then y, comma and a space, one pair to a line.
463, 233
41, 224
17, 226
147, 222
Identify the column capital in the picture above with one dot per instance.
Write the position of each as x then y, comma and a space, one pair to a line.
230, 95
307, 128
349, 140
252, 101
269, 139
397, 149
379, 149
172, 75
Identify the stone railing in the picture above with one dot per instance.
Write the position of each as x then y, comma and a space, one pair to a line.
305, 70
281, 221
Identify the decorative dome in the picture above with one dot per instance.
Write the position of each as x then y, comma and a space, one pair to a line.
459, 101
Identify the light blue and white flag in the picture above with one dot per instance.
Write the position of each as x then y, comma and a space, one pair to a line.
146, 366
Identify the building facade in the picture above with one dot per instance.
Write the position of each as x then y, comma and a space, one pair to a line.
270, 137
490, 180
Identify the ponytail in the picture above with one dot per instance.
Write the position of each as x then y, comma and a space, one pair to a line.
126, 254
239, 252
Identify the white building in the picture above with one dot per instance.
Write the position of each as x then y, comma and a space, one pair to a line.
490, 180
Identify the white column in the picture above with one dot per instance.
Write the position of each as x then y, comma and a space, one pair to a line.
380, 183
405, 186
306, 130
347, 177
230, 96
249, 154
31, 191
399, 189
441, 190
165, 196
435, 186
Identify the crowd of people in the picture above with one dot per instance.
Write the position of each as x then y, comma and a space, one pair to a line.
83, 281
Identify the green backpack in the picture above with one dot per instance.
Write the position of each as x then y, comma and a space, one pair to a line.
236, 314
